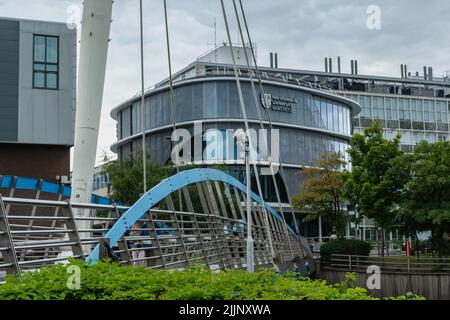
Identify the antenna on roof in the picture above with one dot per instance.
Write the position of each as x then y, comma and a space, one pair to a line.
214, 25
215, 39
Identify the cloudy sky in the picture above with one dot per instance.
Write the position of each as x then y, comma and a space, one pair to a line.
303, 32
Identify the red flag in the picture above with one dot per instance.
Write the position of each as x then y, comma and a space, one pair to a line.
408, 248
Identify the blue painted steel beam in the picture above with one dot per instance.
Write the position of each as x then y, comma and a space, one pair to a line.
164, 189
20, 183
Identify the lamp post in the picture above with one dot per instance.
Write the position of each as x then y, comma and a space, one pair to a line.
250, 256
244, 140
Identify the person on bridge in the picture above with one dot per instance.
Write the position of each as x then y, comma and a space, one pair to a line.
137, 255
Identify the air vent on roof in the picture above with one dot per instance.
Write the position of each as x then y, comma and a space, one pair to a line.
393, 90
406, 91
357, 86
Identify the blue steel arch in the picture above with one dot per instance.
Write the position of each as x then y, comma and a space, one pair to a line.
164, 189
31, 184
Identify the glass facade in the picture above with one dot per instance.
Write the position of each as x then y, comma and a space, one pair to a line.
218, 100
331, 115
416, 119
46, 62
317, 125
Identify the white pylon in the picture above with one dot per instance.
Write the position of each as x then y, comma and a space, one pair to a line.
95, 31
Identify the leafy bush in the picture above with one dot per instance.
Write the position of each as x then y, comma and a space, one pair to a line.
106, 281
341, 246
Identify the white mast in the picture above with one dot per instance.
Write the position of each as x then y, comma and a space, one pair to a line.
95, 30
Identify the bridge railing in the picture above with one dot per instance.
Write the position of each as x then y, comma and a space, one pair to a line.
34, 233
40, 232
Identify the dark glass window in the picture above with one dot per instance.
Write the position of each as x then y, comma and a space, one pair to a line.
46, 62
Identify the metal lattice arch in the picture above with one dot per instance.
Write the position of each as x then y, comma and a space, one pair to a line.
272, 231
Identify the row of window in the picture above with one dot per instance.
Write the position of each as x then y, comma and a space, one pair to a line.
294, 147
412, 137
215, 100
46, 62
418, 110
326, 114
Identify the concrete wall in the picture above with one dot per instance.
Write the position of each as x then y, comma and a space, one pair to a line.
9, 79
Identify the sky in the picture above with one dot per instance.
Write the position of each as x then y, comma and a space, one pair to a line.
380, 34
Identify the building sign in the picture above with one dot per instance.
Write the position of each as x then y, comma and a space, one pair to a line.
278, 103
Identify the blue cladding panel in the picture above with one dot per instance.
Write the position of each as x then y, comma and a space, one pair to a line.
26, 184
67, 191
6, 182
50, 187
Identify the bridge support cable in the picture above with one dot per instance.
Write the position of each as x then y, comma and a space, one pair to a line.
144, 152
256, 101
171, 93
261, 87
244, 113
248, 143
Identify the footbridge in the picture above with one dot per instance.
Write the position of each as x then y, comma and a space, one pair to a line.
195, 216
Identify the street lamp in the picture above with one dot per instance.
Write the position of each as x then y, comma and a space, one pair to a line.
244, 140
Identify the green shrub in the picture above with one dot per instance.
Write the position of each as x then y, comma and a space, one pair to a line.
350, 247
107, 281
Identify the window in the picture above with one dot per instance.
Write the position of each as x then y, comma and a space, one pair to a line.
378, 108
46, 62
366, 106
428, 108
323, 113
391, 106
330, 116
417, 111
404, 107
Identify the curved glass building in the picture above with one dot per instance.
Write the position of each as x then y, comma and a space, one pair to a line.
310, 121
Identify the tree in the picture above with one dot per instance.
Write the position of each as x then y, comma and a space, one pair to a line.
321, 192
127, 182
425, 203
370, 187
126, 178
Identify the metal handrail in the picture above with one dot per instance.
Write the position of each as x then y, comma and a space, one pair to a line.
213, 71
276, 77
406, 264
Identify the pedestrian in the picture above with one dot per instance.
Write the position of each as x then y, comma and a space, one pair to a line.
137, 255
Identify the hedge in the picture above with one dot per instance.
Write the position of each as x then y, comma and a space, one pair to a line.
341, 246
106, 281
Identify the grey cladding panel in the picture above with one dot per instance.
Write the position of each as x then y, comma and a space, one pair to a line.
9, 75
